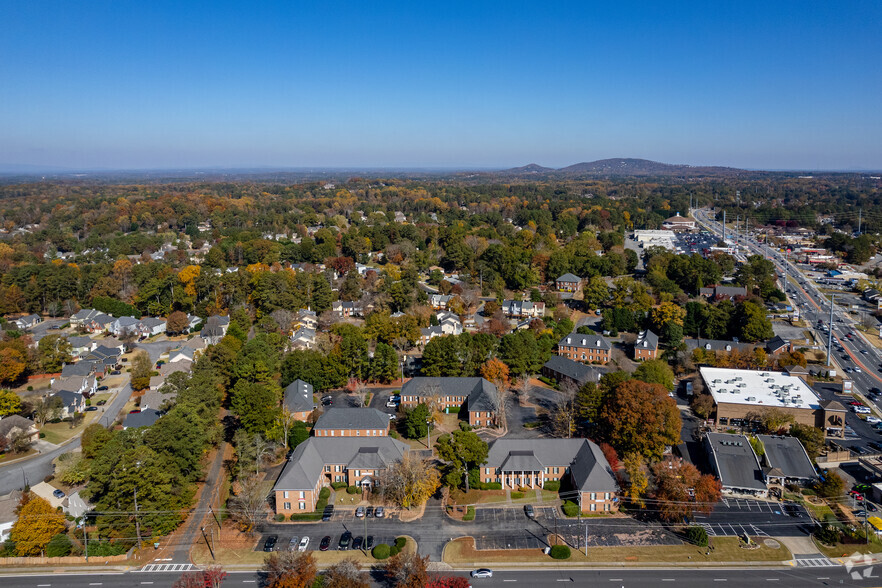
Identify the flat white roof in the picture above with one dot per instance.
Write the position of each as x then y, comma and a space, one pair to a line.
759, 388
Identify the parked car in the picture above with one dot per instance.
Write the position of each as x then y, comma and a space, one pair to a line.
391, 404
303, 544
395, 398
345, 540
482, 573
328, 513
135, 411
369, 512
325, 543
528, 510
58, 494
91, 408
357, 542
115, 373
871, 507
874, 420
102, 389
380, 512
292, 544
270, 543
369, 542
359, 512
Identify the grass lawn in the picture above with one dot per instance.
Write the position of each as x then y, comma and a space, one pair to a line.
846, 549
821, 512
60, 432
726, 549
497, 497
11, 456
103, 396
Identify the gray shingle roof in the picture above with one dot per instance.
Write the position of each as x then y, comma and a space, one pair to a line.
352, 418
733, 459
585, 341
298, 397
81, 368
568, 277
308, 460
481, 393
145, 418
717, 345
588, 466
788, 455
647, 340
574, 370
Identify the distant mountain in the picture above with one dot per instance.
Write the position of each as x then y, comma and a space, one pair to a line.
641, 167
531, 168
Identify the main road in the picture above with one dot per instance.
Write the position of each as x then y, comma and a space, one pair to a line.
547, 576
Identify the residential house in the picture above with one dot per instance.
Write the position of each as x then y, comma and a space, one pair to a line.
124, 325
81, 368
8, 513
352, 422
303, 338
718, 345
429, 333
157, 399
477, 396
315, 463
307, 318
13, 425
71, 403
298, 399
98, 323
439, 301
590, 348
346, 309
786, 461
146, 418
167, 369
28, 322
193, 321
85, 385
181, 354
150, 326
523, 309
646, 346
449, 323
81, 346
568, 283
736, 465
723, 292
678, 223
562, 369
530, 463
215, 329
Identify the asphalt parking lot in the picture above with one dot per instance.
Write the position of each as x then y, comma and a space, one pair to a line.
348, 515
757, 518
315, 540
502, 515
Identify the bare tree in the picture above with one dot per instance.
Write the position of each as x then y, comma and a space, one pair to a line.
503, 395
286, 420
283, 318
521, 388
249, 507
360, 392
345, 574
562, 418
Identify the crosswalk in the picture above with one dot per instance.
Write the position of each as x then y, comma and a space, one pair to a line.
815, 562
171, 567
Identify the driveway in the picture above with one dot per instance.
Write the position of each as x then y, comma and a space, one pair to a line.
34, 469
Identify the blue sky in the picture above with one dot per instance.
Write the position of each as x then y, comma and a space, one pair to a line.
156, 84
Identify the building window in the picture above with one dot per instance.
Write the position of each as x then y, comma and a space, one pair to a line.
285, 494
336, 468
593, 496
593, 507
606, 507
357, 473
336, 478
302, 506
332, 432
287, 506
328, 468
302, 494
606, 496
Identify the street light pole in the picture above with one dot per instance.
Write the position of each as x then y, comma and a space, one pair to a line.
830, 332
428, 434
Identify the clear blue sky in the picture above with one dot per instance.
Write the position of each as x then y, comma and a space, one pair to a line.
125, 84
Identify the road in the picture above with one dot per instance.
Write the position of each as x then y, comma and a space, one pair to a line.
627, 578
32, 470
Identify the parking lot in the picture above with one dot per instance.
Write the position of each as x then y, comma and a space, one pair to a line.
348, 515
756, 518
501, 515
284, 540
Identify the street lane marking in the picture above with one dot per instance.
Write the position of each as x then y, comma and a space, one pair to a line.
721, 579
94, 583
146, 582
43, 585
248, 581
613, 580
669, 579
509, 580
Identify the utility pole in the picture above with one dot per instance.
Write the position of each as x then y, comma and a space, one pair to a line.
724, 227
428, 434
830, 333
207, 542
86, 536
137, 522
586, 536
860, 218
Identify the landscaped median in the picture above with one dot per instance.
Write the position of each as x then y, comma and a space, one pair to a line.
461, 553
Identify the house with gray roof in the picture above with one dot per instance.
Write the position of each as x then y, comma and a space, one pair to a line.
215, 329
298, 398
530, 463
318, 462
735, 464
71, 402
352, 422
83, 316
151, 325
585, 348
646, 346
29, 321
723, 292
124, 325
85, 385
562, 369
82, 368
568, 283
81, 346
718, 345
477, 396
786, 460
145, 418
523, 309
13, 425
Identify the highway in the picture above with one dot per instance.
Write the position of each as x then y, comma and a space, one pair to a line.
548, 576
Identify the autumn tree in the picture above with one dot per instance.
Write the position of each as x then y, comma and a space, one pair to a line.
289, 569
408, 570
36, 525
702, 405
410, 481
248, 507
612, 458
640, 417
53, 351
345, 574
638, 477
141, 370
667, 312
682, 490
495, 371
13, 363
10, 403
177, 322
448, 582
656, 371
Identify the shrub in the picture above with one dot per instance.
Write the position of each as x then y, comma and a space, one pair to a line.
394, 434
560, 552
697, 536
280, 517
490, 486
381, 551
470, 514
570, 508
393, 551
338, 485
352, 490
548, 381
453, 409
105, 548
464, 426
324, 493
400, 542
828, 535
58, 546
308, 516
517, 495
42, 435
30, 388
552, 486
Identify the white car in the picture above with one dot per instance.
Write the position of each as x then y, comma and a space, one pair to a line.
482, 573
303, 544
391, 404
873, 420
861, 410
